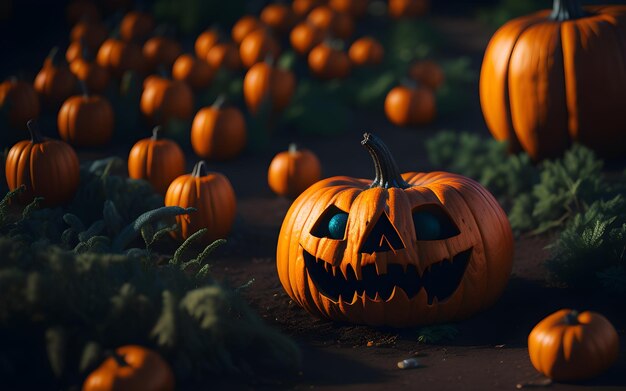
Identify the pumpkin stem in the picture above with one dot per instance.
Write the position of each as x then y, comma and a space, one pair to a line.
162, 71
119, 359
571, 318
155, 132
200, 169
35, 134
387, 172
410, 83
293, 148
53, 56
219, 101
83, 88
567, 10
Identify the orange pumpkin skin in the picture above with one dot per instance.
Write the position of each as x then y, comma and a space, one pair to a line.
91, 33
305, 37
95, 77
48, 168
20, 101
256, 46
338, 24
86, 121
160, 51
193, 71
301, 8
262, 82
214, 198
406, 106
568, 346
546, 83
380, 237
291, 172
205, 41
218, 133
163, 99
407, 8
354, 8
428, 73
118, 57
279, 17
327, 62
54, 81
74, 51
136, 26
139, 369
366, 51
159, 161
224, 55
244, 26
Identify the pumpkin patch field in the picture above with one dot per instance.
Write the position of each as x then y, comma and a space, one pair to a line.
312, 194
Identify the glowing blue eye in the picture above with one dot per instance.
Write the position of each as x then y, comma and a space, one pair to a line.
337, 225
427, 226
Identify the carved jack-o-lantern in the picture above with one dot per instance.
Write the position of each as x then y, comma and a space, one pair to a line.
403, 250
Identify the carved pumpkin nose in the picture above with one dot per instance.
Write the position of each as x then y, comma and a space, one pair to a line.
383, 237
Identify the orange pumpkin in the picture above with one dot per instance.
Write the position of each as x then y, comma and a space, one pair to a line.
75, 51
265, 84
568, 345
212, 195
218, 133
163, 99
48, 168
136, 26
244, 26
556, 77
82, 10
410, 106
159, 161
407, 8
54, 81
301, 8
256, 46
337, 24
19, 101
118, 57
291, 172
131, 368
91, 34
86, 120
354, 8
304, 37
278, 16
161, 51
428, 73
95, 77
193, 71
224, 55
401, 250
327, 61
366, 51
205, 41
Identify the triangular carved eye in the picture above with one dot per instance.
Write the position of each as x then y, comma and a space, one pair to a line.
331, 224
433, 223
383, 237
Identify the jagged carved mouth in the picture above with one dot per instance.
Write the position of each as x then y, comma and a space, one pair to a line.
440, 280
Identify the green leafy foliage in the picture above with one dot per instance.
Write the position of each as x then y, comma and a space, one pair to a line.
498, 14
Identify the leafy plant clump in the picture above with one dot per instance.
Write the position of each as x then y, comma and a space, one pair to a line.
89, 285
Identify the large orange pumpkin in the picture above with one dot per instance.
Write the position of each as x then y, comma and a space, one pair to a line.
118, 57
556, 77
163, 99
19, 101
265, 84
157, 160
407, 105
218, 133
54, 81
401, 250
291, 172
86, 120
48, 168
131, 368
212, 195
568, 345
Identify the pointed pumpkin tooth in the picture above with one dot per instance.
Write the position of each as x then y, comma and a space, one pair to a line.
334, 269
398, 295
377, 297
344, 270
357, 271
355, 298
435, 301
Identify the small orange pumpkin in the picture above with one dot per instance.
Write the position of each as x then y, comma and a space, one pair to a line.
278, 16
224, 55
74, 51
211, 194
136, 26
338, 24
304, 37
160, 50
256, 46
218, 133
95, 77
354, 8
163, 99
291, 172
159, 161
54, 81
427, 72
91, 34
48, 168
131, 368
193, 71
118, 56
205, 41
244, 26
19, 100
407, 8
410, 106
366, 51
265, 84
327, 61
301, 8
86, 120
568, 345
